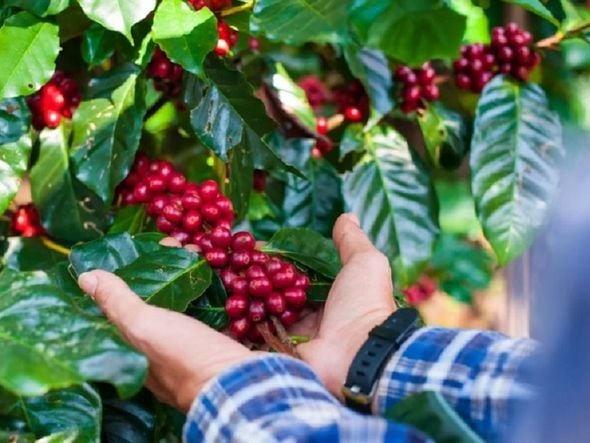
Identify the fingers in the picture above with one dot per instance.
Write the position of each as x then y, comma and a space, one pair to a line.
113, 296
171, 242
350, 239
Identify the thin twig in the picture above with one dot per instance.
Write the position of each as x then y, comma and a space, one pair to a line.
554, 40
275, 342
237, 9
50, 244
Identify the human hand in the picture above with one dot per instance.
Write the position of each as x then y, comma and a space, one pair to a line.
183, 353
360, 299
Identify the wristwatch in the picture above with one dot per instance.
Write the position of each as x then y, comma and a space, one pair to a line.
371, 358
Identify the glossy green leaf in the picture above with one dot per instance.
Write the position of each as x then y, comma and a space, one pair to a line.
69, 211
30, 254
210, 309
445, 136
107, 134
316, 202
291, 97
536, 7
132, 420
372, 69
300, 21
461, 268
306, 247
393, 197
185, 35
457, 208
129, 219
98, 44
41, 8
117, 15
477, 26
169, 277
515, 151
241, 170
412, 31
229, 114
108, 253
430, 413
64, 415
15, 147
41, 330
29, 49
353, 140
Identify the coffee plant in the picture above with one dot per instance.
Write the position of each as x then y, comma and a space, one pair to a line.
243, 129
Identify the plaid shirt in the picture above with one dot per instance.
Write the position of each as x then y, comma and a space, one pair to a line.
275, 398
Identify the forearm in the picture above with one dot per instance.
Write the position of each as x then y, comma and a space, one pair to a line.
481, 374
276, 398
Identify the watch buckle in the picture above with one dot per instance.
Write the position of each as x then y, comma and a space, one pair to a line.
354, 394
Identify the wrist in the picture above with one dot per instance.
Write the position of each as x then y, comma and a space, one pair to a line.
331, 355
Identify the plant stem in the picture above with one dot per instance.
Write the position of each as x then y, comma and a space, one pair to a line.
558, 37
237, 9
155, 107
50, 244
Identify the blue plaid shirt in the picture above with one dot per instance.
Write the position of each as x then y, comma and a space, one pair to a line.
275, 398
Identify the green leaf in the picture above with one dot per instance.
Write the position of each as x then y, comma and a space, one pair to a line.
307, 248
353, 140
107, 134
117, 15
41, 8
314, 203
98, 44
68, 210
240, 171
477, 27
461, 268
412, 31
15, 148
71, 415
210, 309
393, 197
132, 420
229, 114
445, 136
515, 151
30, 254
291, 97
372, 69
185, 35
108, 253
169, 277
29, 49
457, 208
41, 330
536, 7
300, 21
430, 413
129, 219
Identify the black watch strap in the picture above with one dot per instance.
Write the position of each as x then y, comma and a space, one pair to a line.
370, 360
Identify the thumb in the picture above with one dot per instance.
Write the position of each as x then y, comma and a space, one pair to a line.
350, 239
113, 296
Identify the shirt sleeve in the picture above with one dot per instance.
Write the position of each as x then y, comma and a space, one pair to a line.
275, 398
483, 375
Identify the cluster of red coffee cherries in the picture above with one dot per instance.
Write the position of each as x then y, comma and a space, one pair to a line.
26, 223
420, 291
350, 100
417, 86
57, 99
259, 285
510, 52
167, 76
227, 37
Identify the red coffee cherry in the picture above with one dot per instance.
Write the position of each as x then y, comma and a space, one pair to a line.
295, 297
217, 258
210, 212
236, 306
239, 260
243, 241
220, 237
259, 287
239, 327
255, 271
191, 200
259, 258
289, 318
156, 205
256, 311
172, 212
275, 303
192, 221
239, 285
209, 190
164, 225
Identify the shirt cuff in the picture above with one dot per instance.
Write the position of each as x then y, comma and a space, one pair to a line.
247, 393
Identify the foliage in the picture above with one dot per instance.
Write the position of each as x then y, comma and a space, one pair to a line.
303, 91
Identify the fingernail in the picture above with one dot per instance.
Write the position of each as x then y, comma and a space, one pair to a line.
87, 281
353, 218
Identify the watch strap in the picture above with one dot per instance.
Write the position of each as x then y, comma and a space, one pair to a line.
371, 358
